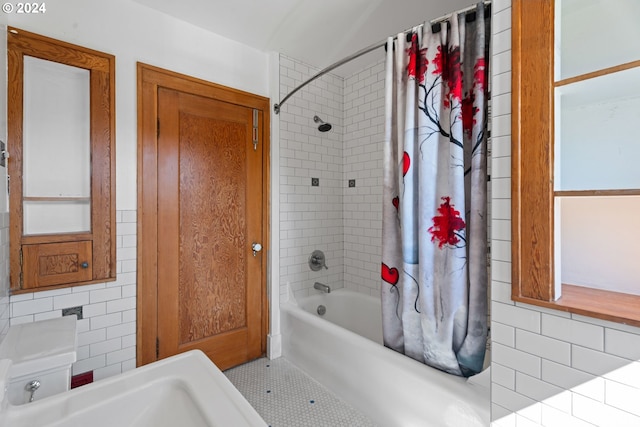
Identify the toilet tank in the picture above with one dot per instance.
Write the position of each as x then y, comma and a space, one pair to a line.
41, 351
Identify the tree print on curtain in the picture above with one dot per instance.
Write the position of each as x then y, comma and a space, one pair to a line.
434, 254
447, 226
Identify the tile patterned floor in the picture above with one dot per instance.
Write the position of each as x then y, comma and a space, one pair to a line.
284, 396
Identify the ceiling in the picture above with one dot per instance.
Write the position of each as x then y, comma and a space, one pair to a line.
318, 33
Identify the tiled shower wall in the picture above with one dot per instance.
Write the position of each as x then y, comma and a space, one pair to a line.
363, 142
107, 332
549, 368
344, 222
359, 160
310, 216
358, 148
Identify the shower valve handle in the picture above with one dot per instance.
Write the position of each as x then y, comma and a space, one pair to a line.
317, 261
320, 262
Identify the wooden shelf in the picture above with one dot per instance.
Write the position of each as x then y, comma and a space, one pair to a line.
598, 73
596, 193
57, 199
597, 303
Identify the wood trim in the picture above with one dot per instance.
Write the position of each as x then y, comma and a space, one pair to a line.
147, 226
54, 287
103, 171
598, 73
149, 78
43, 47
532, 154
15, 101
265, 140
516, 155
255, 214
596, 303
195, 86
596, 193
52, 238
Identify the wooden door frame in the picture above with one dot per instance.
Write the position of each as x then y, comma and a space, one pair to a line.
149, 78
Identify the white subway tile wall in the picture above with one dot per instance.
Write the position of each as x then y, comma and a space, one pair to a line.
363, 147
344, 222
107, 331
549, 368
310, 216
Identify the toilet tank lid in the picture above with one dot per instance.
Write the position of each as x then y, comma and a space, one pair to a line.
42, 345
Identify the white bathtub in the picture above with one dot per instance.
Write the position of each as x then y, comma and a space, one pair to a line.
392, 389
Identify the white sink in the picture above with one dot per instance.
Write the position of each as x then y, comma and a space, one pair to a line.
183, 390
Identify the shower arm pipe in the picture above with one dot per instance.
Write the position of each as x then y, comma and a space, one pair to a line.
277, 106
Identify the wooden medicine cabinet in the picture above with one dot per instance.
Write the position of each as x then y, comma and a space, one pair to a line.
61, 140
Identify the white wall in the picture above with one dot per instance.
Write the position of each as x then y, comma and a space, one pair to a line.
132, 33
549, 368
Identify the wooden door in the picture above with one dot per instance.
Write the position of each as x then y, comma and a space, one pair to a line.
203, 192
209, 210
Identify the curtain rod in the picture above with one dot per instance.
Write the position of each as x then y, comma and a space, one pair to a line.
276, 107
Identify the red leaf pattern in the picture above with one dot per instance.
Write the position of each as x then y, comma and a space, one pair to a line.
468, 113
417, 66
468, 110
447, 65
446, 224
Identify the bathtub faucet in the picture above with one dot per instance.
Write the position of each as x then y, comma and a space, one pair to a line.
322, 287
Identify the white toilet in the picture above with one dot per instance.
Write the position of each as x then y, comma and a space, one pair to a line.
41, 354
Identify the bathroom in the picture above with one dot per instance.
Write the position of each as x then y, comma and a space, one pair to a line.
134, 32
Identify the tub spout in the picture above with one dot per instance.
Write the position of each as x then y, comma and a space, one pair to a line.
322, 287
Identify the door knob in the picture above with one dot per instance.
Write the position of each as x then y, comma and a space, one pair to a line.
256, 247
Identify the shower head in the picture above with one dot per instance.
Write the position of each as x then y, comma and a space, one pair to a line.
324, 127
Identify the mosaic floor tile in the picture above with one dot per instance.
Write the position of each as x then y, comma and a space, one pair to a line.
284, 396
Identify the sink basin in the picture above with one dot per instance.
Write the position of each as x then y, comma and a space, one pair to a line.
185, 390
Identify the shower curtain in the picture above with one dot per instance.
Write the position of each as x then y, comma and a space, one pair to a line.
434, 232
